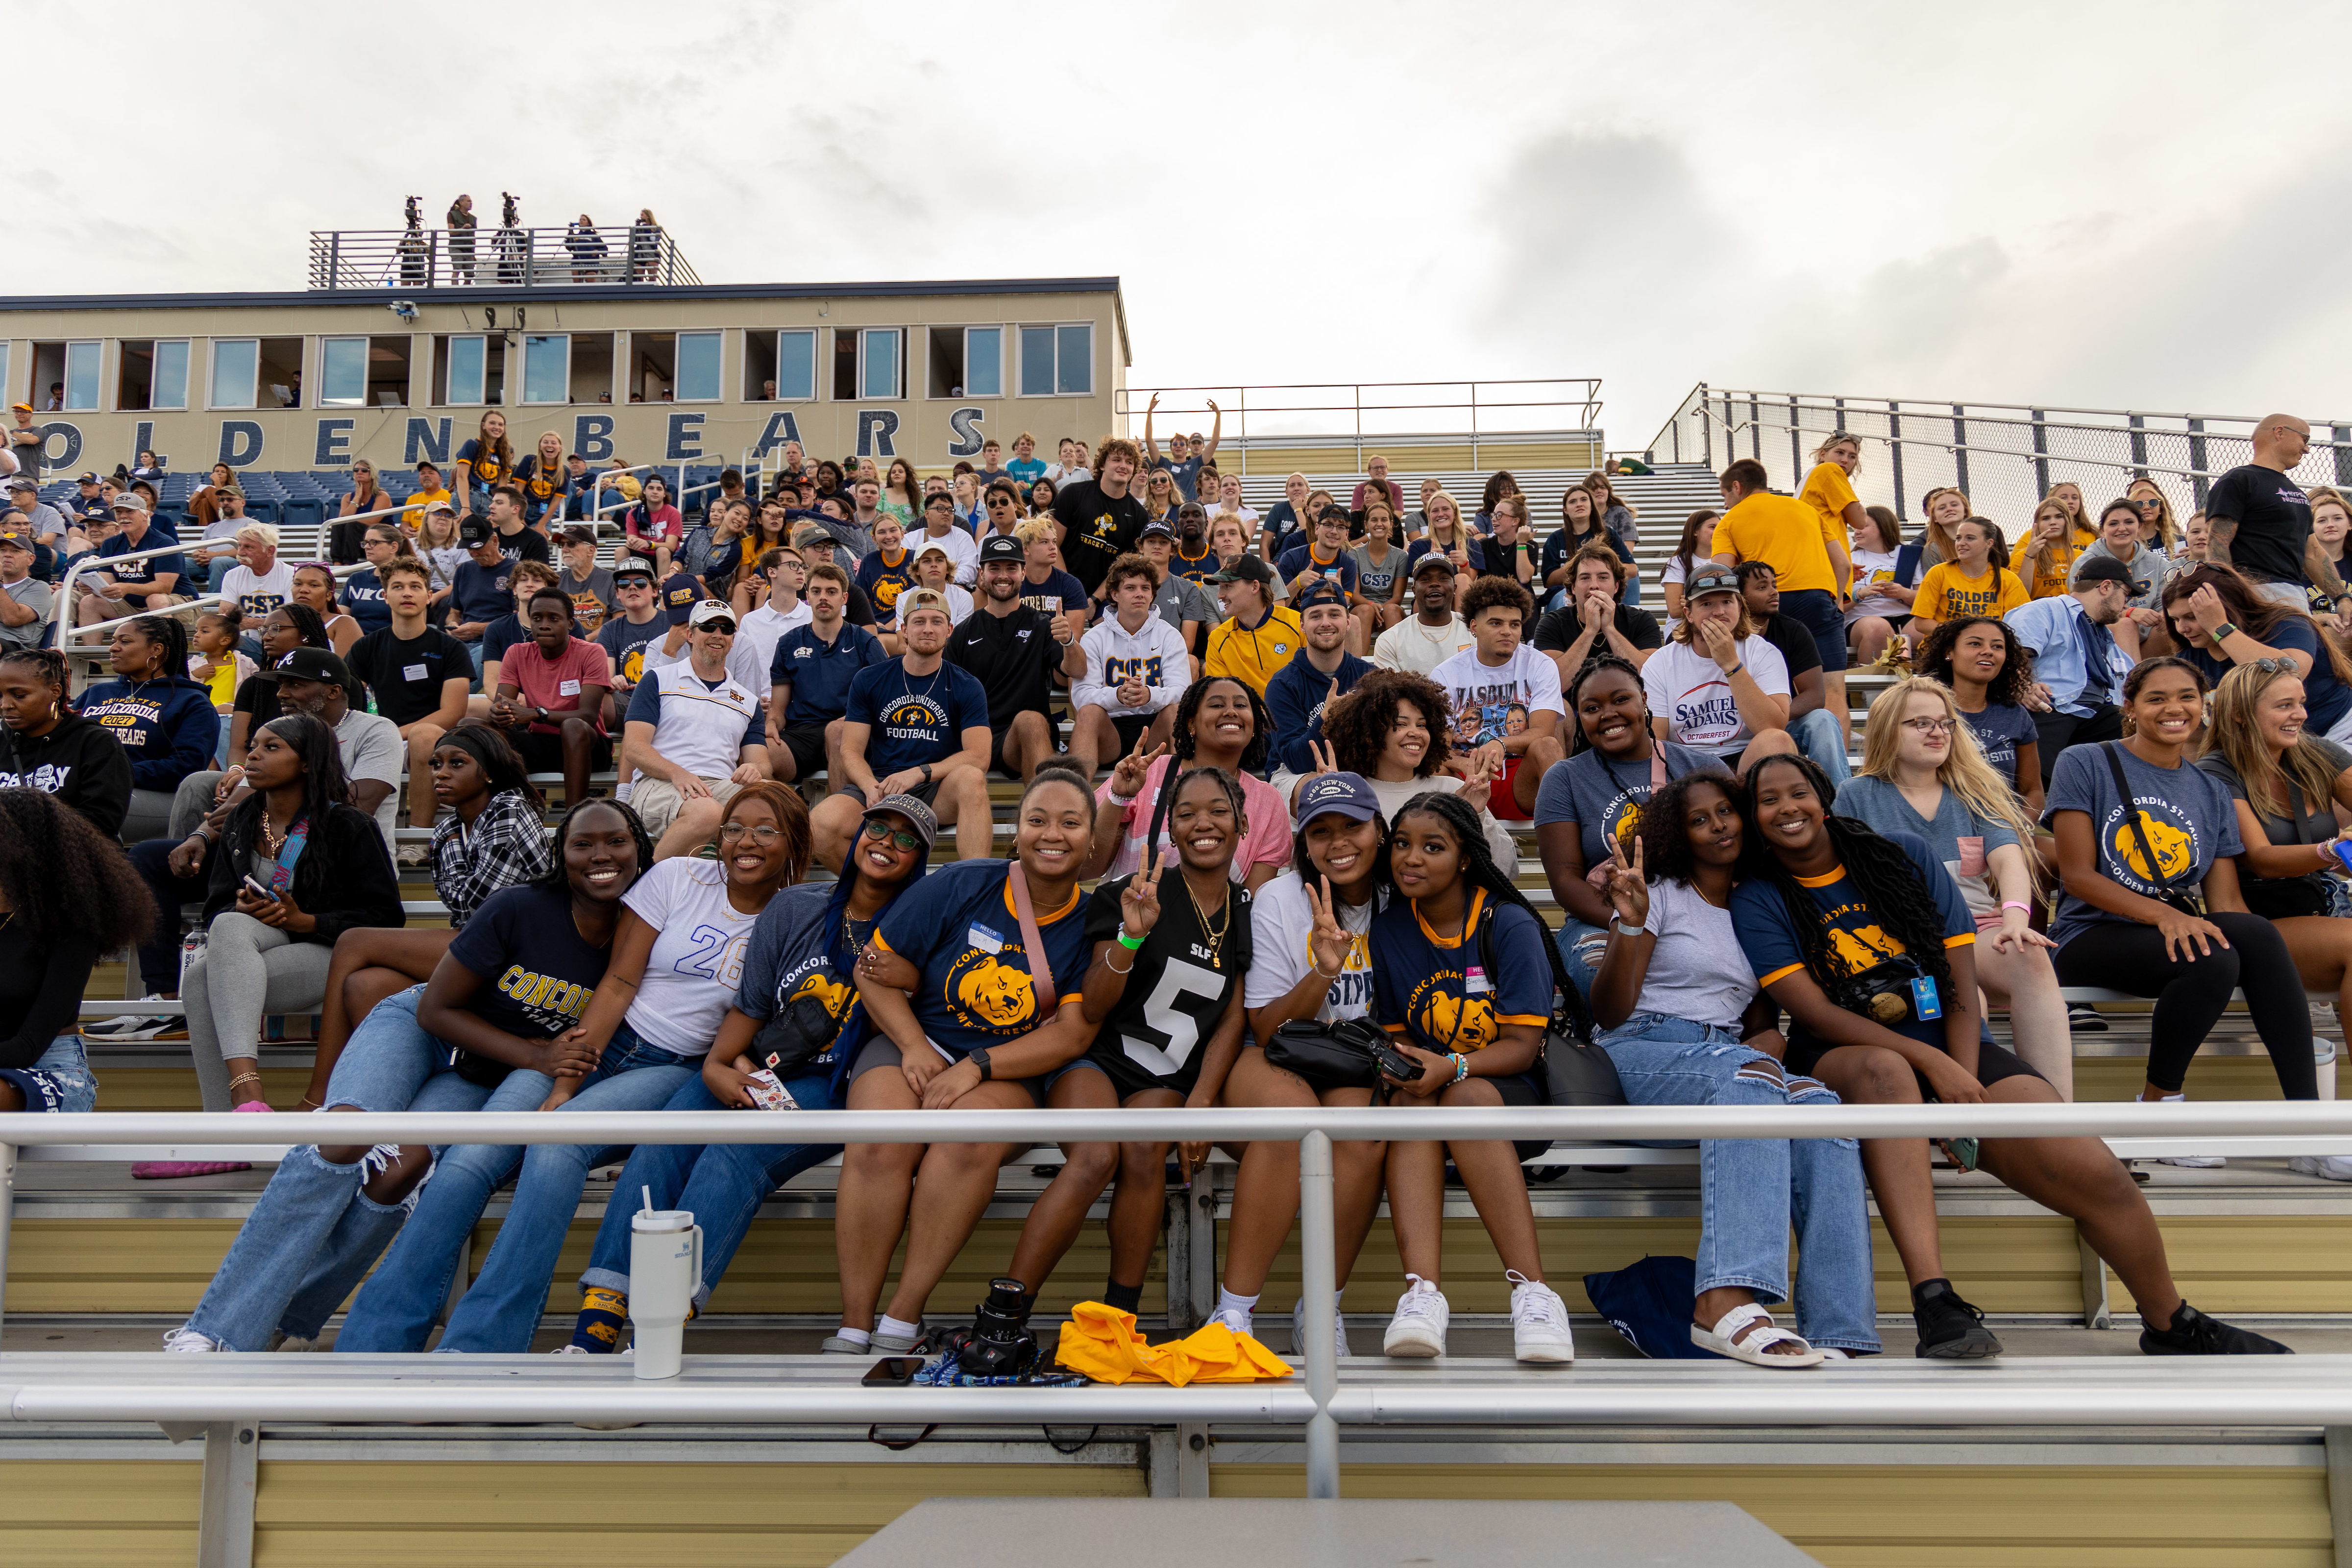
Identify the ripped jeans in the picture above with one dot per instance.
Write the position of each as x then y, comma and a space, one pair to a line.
1752, 1189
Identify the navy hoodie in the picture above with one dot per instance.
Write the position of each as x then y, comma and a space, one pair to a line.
1294, 701
169, 727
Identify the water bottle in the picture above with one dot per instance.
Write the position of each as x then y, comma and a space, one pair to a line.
2322, 1062
191, 948
664, 1269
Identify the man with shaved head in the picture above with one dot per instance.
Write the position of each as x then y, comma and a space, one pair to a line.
2261, 521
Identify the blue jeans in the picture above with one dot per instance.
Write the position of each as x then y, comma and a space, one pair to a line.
59, 1078
500, 1312
1816, 610
722, 1185
1818, 735
314, 1233
1572, 936
1752, 1188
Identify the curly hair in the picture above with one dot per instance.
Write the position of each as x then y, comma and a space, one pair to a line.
1116, 445
1666, 843
1357, 726
63, 878
1188, 709
1577, 744
558, 878
1488, 592
1479, 870
1934, 659
1882, 876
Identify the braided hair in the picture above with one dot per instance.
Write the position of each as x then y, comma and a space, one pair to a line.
1187, 708
1479, 870
556, 880
1882, 876
1576, 741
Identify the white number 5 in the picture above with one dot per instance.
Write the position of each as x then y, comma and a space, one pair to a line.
1177, 1034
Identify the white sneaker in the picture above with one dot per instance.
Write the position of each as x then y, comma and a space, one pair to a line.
1339, 1331
186, 1341
136, 1027
2189, 1162
2333, 1167
294, 1344
571, 1350
1233, 1317
1418, 1329
1538, 1321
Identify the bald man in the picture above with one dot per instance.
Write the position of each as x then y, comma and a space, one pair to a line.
2261, 521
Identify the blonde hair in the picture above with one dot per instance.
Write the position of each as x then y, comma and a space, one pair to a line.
2168, 528
1029, 533
1429, 510
1687, 630
2234, 734
260, 530
1822, 453
1964, 772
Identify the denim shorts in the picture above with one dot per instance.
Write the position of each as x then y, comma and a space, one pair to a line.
1816, 610
59, 1080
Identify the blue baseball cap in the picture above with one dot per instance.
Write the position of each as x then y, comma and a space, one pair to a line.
1320, 592
1346, 793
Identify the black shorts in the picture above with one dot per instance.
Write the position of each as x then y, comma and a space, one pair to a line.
805, 742
1130, 728
996, 758
1994, 1063
927, 794
544, 753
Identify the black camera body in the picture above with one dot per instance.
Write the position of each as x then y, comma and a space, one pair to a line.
999, 1343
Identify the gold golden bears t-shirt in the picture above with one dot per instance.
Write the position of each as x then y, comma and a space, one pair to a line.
957, 927
2184, 813
1438, 992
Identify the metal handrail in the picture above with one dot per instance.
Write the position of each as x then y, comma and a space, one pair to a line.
500, 257
1128, 400
1946, 405
1314, 1126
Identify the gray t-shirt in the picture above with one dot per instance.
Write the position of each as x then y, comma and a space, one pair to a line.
1960, 838
2319, 816
2185, 813
2145, 566
1378, 582
37, 597
1180, 599
1696, 968
1602, 795
373, 749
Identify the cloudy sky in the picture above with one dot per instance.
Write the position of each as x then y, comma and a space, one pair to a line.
2140, 204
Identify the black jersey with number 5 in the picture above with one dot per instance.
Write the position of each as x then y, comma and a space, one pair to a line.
1161, 1026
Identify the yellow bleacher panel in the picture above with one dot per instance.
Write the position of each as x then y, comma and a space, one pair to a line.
104, 1514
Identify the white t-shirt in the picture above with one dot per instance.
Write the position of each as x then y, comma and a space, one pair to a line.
1874, 566
1689, 692
1281, 919
1410, 645
257, 595
1697, 970
371, 749
1674, 571
697, 961
1492, 701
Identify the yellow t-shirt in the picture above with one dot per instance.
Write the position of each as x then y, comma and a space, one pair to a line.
1784, 532
1945, 594
418, 500
1829, 493
2053, 566
1253, 656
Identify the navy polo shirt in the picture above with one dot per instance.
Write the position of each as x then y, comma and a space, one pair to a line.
821, 671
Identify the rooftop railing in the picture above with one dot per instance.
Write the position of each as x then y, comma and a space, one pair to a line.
638, 254
1369, 413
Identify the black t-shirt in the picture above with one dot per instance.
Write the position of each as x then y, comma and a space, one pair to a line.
1096, 530
2274, 519
1012, 657
1796, 643
537, 970
405, 674
625, 642
526, 543
1558, 630
1156, 1035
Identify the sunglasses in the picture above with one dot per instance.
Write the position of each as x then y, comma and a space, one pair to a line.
726, 626
879, 831
2149, 505
2275, 666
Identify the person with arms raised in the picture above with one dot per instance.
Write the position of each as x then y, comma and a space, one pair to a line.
1136, 672
695, 735
1505, 695
1682, 1021
1183, 461
913, 725
1809, 558
46, 746
1864, 941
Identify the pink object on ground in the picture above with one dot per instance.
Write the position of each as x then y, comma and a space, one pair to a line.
253, 1105
161, 1169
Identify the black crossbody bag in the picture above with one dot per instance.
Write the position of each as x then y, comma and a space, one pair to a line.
2188, 900
2286, 897
1574, 1070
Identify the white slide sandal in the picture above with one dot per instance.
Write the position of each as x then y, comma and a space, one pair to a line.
1751, 1350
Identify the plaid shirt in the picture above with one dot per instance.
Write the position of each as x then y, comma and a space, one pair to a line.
505, 845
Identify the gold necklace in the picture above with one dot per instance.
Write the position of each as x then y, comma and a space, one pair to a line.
1216, 937
272, 844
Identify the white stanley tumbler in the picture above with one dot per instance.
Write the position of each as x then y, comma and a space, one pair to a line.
665, 1268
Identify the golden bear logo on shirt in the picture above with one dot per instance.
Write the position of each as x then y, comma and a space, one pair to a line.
1468, 1022
999, 996
832, 995
1859, 947
2175, 850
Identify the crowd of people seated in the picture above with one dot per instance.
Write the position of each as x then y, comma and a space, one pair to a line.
1274, 838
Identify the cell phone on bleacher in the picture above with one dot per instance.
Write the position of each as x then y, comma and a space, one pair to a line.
892, 1372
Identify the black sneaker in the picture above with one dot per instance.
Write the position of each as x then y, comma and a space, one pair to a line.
2082, 1019
2194, 1333
1949, 1329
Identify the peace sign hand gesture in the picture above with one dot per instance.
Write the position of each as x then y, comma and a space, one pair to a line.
1138, 903
1627, 890
1127, 779
1326, 761
1327, 944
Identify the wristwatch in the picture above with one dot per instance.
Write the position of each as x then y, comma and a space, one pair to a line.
2223, 633
927, 773
978, 1059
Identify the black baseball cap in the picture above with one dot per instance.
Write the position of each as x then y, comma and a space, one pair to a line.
1435, 561
1159, 527
1246, 569
313, 664
2101, 569
1321, 592
1003, 547
474, 531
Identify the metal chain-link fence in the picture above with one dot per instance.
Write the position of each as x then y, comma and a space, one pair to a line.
2004, 458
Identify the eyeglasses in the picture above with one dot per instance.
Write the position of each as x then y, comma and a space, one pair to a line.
1929, 726
899, 835
765, 833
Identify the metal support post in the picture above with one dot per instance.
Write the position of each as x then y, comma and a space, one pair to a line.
1318, 1271
2339, 1491
224, 1522
2096, 1313
1180, 1262
1193, 1459
1895, 450
1201, 1286
1755, 427
2139, 446
7, 1208
2040, 455
1796, 446
2341, 435
1960, 447
2199, 481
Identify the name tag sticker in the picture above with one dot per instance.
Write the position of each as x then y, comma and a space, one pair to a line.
985, 940
567, 688
1475, 983
412, 672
